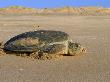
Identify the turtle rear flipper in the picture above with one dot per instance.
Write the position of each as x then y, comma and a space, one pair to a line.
1, 49
1, 45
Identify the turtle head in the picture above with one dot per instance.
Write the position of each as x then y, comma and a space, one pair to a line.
75, 49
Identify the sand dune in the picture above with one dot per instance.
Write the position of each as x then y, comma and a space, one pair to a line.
63, 11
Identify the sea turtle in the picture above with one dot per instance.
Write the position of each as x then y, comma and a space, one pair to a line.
45, 44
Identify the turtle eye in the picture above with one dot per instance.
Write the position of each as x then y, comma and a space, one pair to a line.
83, 50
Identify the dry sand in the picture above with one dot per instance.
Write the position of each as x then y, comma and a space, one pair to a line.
91, 31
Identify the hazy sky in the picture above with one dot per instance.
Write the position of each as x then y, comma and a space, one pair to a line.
54, 3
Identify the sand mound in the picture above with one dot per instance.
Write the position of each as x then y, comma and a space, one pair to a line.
2, 53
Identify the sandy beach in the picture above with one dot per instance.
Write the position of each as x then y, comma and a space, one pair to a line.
93, 32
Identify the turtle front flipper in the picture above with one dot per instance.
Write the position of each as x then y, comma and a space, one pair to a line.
51, 51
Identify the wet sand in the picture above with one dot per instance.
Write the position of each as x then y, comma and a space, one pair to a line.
93, 32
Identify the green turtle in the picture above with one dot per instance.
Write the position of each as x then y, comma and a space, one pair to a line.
44, 44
